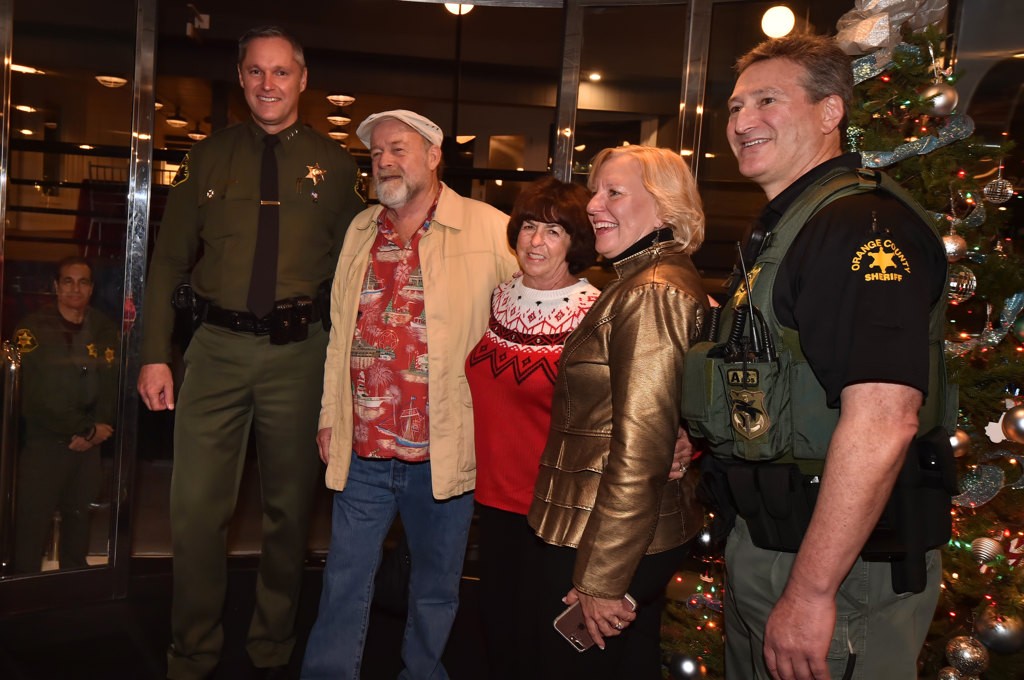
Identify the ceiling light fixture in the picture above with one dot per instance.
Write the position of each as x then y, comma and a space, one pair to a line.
86, 147
778, 21
111, 81
26, 132
458, 7
340, 98
24, 108
157, 105
594, 76
338, 120
196, 134
337, 134
464, 139
176, 121
18, 68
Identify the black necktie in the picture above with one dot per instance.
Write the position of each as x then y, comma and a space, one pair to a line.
263, 282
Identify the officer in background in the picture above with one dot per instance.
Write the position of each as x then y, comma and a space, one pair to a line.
254, 222
69, 398
847, 298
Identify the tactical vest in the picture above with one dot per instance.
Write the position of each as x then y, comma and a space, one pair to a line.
754, 397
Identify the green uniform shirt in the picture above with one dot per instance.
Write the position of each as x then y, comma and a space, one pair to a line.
209, 225
69, 373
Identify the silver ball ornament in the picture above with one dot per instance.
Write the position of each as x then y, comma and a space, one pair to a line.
967, 655
1013, 424
998, 191
1001, 633
955, 245
962, 284
960, 441
940, 99
985, 549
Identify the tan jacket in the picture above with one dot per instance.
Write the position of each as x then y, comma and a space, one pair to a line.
603, 485
463, 255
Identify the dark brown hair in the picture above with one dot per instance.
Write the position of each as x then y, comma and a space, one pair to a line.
270, 32
555, 202
827, 69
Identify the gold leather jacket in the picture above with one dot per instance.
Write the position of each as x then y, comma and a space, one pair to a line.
603, 484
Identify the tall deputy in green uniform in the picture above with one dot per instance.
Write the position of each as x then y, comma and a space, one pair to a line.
69, 396
255, 249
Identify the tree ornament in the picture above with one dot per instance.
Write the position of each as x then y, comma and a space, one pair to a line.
950, 673
955, 246
940, 99
962, 284
985, 549
967, 655
1013, 424
960, 441
1001, 632
998, 190
683, 667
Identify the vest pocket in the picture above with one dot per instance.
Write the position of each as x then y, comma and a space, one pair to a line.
757, 397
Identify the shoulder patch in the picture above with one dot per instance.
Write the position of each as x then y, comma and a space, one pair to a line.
880, 259
26, 340
182, 175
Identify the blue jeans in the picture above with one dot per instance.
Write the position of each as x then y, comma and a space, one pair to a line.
437, 532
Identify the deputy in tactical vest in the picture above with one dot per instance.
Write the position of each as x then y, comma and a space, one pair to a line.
822, 395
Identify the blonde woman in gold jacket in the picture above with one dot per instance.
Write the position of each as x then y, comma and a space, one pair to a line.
612, 521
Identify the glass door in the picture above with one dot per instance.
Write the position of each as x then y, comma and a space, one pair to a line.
74, 192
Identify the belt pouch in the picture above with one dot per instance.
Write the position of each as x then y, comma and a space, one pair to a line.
301, 317
281, 322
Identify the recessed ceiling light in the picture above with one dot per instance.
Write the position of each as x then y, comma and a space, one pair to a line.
26, 132
594, 76
86, 147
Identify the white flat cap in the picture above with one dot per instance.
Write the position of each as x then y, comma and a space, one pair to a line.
426, 127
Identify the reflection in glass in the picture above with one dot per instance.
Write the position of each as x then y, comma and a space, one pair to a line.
68, 403
635, 99
67, 196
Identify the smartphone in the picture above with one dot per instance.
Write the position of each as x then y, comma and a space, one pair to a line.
572, 626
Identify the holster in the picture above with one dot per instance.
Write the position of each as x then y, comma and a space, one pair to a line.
777, 502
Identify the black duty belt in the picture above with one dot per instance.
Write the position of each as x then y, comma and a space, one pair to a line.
284, 316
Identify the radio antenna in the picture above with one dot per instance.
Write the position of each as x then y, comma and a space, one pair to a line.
754, 341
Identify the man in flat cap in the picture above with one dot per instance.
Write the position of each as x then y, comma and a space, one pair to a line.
411, 296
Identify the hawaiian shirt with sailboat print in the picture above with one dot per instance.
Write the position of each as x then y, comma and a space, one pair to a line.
389, 353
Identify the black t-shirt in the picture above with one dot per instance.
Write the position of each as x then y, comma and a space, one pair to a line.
859, 295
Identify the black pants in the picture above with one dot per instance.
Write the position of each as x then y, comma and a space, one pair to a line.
635, 654
509, 550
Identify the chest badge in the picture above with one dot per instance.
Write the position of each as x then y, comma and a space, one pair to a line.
749, 417
26, 340
316, 173
91, 349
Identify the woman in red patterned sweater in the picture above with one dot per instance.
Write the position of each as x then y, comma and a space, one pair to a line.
511, 374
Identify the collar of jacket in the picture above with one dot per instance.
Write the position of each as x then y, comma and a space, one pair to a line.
646, 257
448, 210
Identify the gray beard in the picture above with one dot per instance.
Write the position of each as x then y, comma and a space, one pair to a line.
392, 195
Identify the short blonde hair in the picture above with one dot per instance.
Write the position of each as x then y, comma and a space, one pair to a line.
668, 179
